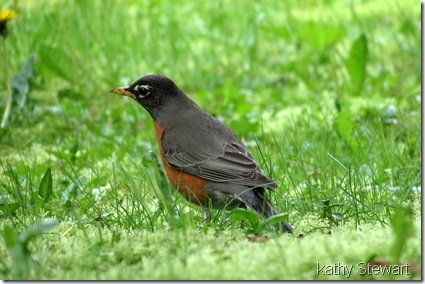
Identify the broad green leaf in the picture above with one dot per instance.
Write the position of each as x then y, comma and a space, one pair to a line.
18, 252
18, 246
243, 214
46, 186
67, 195
337, 204
356, 65
319, 36
275, 219
9, 209
41, 228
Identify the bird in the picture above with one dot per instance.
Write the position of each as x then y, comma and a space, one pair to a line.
204, 160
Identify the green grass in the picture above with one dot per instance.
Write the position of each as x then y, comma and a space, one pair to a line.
193, 254
326, 95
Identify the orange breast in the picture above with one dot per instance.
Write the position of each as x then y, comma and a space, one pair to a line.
190, 186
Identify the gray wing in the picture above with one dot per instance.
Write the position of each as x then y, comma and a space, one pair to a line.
214, 158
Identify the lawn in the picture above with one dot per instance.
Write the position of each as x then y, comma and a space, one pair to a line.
325, 94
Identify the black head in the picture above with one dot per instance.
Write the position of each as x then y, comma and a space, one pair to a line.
151, 91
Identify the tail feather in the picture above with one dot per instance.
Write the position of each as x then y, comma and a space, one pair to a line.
257, 201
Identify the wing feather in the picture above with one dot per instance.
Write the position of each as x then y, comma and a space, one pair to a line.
218, 161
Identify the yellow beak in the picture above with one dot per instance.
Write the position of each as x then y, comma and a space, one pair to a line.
122, 91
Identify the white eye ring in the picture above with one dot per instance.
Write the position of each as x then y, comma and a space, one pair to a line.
144, 88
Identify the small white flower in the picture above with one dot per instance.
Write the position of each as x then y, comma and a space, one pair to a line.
394, 188
391, 121
302, 186
416, 189
368, 188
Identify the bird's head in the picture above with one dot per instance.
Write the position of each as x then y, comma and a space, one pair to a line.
151, 91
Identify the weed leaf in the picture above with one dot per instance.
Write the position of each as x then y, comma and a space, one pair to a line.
39, 229
46, 185
21, 82
356, 65
7, 210
319, 36
67, 196
243, 214
18, 252
18, 246
275, 219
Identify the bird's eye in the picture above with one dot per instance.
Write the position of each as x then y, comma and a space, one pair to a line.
142, 91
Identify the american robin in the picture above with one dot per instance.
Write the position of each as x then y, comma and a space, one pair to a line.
203, 158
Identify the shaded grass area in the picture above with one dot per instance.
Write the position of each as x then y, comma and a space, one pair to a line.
326, 95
